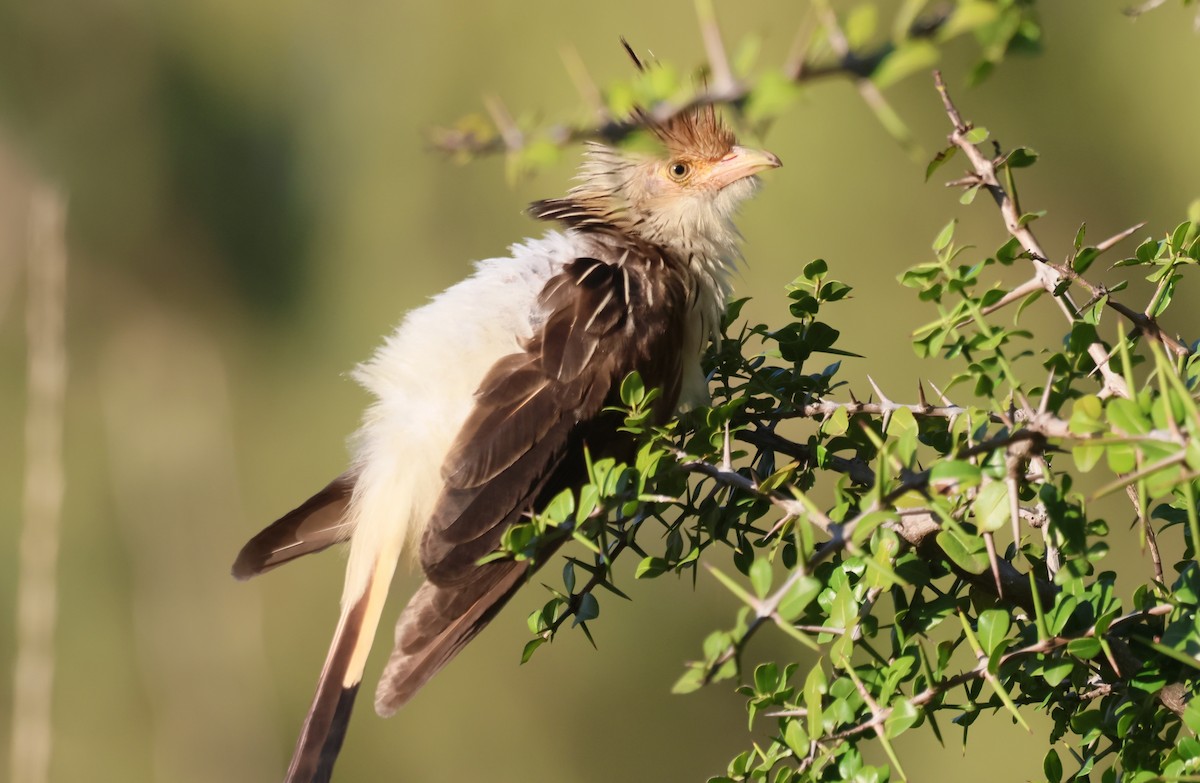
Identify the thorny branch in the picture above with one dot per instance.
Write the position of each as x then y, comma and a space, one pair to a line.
1044, 646
1051, 276
984, 174
917, 528
723, 89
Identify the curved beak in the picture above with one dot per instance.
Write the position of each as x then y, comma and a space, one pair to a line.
742, 162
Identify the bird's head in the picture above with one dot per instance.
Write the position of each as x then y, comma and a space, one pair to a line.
684, 197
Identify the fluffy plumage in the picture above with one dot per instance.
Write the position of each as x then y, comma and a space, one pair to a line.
486, 398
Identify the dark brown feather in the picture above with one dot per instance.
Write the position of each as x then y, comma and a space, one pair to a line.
621, 308
314, 525
457, 622
328, 718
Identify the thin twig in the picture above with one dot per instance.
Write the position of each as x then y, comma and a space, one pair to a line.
856, 65
985, 175
723, 80
1148, 530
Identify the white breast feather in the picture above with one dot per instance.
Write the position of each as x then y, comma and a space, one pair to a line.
424, 390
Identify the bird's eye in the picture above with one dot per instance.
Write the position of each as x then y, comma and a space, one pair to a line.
678, 170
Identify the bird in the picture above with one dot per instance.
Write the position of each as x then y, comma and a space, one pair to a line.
489, 399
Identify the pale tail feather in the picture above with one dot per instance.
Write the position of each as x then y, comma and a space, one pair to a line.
329, 716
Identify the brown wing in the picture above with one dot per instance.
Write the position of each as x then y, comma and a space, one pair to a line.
524, 442
317, 523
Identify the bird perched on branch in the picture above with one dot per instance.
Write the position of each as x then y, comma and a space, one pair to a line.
488, 396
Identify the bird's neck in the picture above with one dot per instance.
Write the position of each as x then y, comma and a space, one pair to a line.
703, 247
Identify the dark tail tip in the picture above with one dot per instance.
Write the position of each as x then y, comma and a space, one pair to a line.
337, 734
313, 763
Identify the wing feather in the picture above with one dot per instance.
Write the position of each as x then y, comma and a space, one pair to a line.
535, 415
315, 524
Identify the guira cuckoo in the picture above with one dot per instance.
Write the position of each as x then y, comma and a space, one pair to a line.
487, 397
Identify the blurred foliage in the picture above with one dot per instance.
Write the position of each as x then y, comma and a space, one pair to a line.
861, 47
226, 162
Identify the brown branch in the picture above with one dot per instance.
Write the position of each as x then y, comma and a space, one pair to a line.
856, 468
723, 91
1141, 519
984, 175
1042, 647
1144, 322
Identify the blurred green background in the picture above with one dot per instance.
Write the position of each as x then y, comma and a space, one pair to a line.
253, 203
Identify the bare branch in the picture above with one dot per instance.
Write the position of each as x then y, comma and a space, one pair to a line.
730, 93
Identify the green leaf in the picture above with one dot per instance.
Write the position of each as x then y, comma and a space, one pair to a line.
1127, 416
772, 95
1087, 416
906, 59
561, 508
530, 647
798, 597
795, 738
954, 474
1010, 251
993, 629
692, 680
944, 236
1052, 767
815, 687
1029, 217
860, 25
969, 15
1087, 647
1021, 157
992, 508
1087, 455
837, 424
633, 391
968, 552
976, 135
1191, 715
760, 576
902, 718
651, 567
588, 609
1084, 258
939, 160
1055, 673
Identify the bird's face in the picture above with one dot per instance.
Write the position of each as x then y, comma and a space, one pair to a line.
683, 198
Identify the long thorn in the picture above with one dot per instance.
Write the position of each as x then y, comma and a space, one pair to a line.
1115, 238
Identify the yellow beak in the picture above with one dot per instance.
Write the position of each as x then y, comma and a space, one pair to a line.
742, 162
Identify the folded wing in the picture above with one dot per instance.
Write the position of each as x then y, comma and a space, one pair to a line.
536, 413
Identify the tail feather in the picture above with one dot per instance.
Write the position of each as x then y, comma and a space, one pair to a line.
437, 623
317, 523
329, 716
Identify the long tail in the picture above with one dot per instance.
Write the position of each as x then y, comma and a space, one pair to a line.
329, 716
437, 623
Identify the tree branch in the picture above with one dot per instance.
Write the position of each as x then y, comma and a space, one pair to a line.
985, 176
